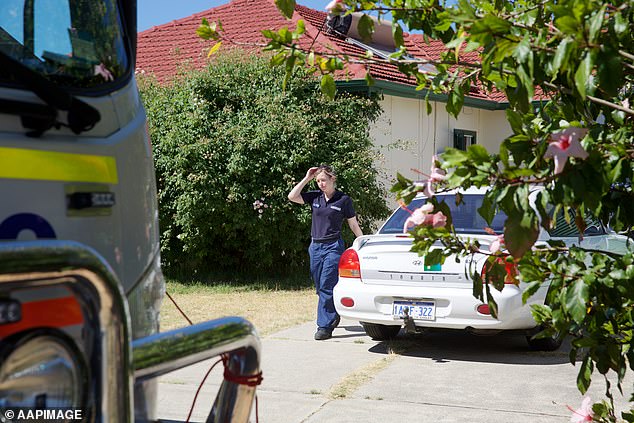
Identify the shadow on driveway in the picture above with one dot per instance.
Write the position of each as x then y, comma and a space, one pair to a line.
458, 345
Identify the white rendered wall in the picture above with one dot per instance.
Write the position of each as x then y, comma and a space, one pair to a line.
407, 137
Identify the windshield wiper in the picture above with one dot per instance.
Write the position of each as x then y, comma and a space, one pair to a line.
81, 115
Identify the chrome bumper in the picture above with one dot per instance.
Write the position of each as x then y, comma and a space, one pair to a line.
115, 362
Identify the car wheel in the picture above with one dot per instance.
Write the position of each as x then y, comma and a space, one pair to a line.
380, 332
543, 344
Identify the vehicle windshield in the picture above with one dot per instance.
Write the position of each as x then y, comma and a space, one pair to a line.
74, 43
466, 219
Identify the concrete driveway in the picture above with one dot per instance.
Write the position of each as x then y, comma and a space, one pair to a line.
432, 377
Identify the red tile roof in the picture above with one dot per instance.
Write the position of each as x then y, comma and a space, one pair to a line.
163, 49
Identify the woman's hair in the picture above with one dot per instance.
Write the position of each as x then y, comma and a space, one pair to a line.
327, 169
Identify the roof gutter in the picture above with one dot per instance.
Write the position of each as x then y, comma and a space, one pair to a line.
409, 91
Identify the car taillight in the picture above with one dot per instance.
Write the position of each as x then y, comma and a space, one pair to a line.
509, 266
349, 266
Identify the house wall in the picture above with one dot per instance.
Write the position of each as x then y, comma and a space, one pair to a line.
407, 137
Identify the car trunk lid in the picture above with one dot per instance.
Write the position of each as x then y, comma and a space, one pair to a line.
387, 260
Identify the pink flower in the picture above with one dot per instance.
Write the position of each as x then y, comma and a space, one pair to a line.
564, 144
437, 175
336, 7
583, 414
495, 245
417, 217
100, 69
428, 188
436, 220
422, 216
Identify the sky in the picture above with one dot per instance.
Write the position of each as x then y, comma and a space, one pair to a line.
156, 12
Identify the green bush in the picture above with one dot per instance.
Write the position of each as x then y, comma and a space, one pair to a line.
229, 137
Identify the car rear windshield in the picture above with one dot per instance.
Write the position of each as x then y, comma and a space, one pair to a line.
465, 216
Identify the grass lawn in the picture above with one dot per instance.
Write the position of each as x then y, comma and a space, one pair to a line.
266, 305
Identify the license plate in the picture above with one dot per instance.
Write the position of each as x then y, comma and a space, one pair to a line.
417, 310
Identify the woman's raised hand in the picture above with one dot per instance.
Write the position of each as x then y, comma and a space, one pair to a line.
310, 173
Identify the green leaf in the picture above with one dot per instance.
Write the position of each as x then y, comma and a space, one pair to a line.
455, 101
445, 21
328, 87
365, 28
585, 374
207, 31
542, 313
527, 81
518, 238
493, 306
466, 7
541, 204
446, 210
301, 27
562, 55
618, 116
515, 120
214, 49
595, 24
278, 59
615, 173
428, 107
530, 289
620, 25
576, 300
287, 7
610, 71
487, 210
497, 25
567, 24
369, 79
434, 257
453, 157
397, 34
582, 76
290, 63
285, 35
477, 286
505, 48
478, 153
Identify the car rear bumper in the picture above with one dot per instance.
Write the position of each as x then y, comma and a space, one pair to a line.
455, 307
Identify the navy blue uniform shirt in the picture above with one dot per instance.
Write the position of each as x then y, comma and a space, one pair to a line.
328, 215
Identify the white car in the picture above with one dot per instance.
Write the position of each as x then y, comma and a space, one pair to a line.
383, 285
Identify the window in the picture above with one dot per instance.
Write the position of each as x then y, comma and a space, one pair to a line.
563, 229
463, 138
77, 43
466, 219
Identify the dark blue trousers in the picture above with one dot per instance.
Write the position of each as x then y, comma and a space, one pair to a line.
324, 269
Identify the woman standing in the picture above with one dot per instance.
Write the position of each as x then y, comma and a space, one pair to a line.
329, 208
